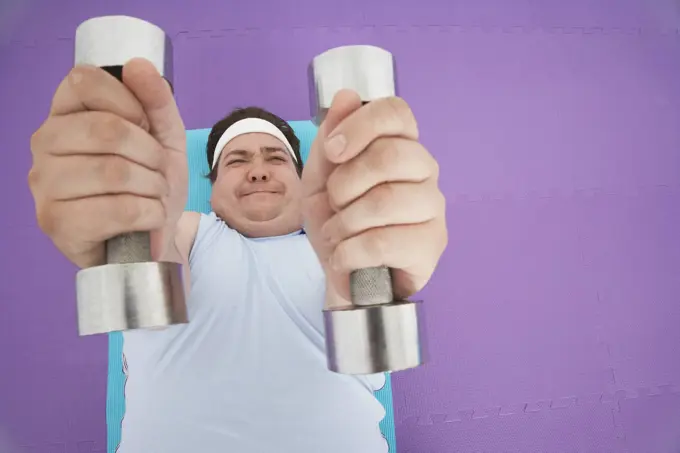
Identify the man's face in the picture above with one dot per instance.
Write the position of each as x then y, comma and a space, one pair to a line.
257, 190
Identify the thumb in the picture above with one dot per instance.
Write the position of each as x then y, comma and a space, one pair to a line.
318, 168
344, 103
165, 124
154, 93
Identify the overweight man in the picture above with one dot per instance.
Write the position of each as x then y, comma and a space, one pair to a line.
248, 374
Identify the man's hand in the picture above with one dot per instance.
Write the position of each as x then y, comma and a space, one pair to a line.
110, 159
371, 196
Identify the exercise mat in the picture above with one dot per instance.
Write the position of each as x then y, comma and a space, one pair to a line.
199, 200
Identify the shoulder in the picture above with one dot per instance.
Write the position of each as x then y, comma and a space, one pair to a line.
187, 228
200, 233
195, 229
188, 223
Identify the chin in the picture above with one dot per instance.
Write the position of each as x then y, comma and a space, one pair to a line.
263, 228
262, 215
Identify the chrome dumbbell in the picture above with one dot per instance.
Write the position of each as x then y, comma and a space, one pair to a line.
377, 333
130, 291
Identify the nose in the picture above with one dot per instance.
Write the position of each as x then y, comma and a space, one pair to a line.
258, 173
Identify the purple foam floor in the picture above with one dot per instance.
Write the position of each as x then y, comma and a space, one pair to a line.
553, 315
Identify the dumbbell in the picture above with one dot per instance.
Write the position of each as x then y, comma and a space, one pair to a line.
377, 333
130, 291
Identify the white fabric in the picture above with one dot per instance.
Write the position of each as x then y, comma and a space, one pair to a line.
249, 126
248, 374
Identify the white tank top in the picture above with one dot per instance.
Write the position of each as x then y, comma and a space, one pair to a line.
248, 373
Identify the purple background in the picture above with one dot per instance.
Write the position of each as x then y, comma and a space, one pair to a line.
554, 313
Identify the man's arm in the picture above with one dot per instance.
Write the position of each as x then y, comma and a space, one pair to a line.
187, 227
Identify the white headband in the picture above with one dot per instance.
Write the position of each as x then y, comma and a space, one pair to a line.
248, 126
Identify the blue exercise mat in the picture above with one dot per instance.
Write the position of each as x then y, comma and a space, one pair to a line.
199, 200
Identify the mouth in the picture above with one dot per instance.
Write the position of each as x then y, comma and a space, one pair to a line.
261, 192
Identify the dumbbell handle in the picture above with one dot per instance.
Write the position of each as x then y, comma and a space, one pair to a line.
371, 286
133, 247
129, 248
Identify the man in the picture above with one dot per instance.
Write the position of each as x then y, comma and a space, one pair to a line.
248, 373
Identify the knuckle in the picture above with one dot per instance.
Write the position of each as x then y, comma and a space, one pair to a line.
108, 130
33, 180
114, 171
159, 184
344, 224
378, 244
46, 218
390, 155
439, 203
426, 161
398, 111
398, 105
83, 77
128, 209
337, 188
435, 169
80, 212
333, 187
341, 253
76, 75
385, 152
156, 157
133, 212
380, 199
42, 138
35, 142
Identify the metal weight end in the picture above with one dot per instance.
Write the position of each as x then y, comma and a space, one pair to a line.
376, 338
376, 334
114, 40
368, 70
130, 291
118, 297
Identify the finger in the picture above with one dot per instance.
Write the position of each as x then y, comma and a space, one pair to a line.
90, 88
383, 117
79, 176
396, 246
155, 96
386, 205
98, 133
344, 103
402, 248
387, 159
100, 218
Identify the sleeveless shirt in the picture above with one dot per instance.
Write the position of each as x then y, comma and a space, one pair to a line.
248, 373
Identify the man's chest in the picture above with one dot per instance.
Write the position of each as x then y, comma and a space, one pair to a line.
262, 279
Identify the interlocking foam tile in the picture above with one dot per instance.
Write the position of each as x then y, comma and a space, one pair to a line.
518, 313
263, 14
644, 418
582, 429
651, 422
59, 447
537, 96
633, 257
515, 115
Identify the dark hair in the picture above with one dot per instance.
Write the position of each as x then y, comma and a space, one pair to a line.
250, 112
